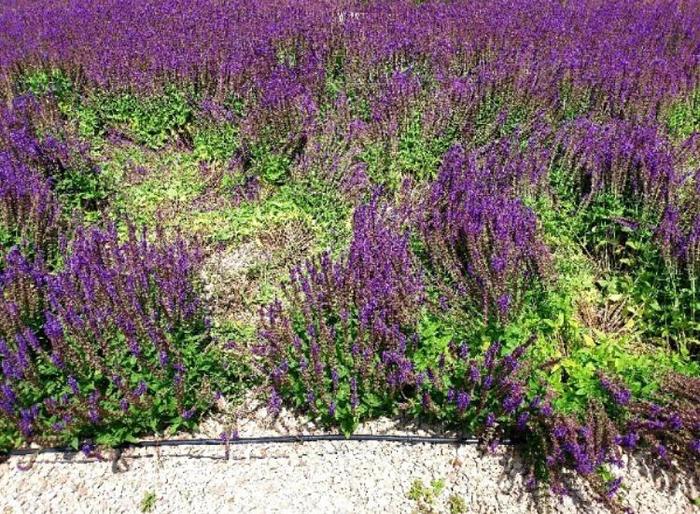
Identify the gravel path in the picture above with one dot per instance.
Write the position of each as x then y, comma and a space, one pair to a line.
344, 477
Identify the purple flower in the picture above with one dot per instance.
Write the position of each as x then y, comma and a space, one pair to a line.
522, 420
560, 431
512, 402
503, 303
310, 398
613, 486
27, 419
425, 400
354, 400
88, 448
628, 440
695, 446
474, 373
140, 389
274, 403
73, 384
490, 420
463, 401
620, 395
8, 400
661, 451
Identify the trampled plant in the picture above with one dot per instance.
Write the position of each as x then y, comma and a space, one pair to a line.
34, 134
29, 210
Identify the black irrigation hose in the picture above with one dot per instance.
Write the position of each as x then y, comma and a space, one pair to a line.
403, 439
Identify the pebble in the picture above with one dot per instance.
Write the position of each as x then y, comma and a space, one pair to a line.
343, 477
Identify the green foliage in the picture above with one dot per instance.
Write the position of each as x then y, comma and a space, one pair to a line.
217, 142
150, 121
171, 180
609, 271
42, 82
379, 166
215, 135
424, 495
273, 167
77, 182
683, 116
417, 155
330, 211
148, 502
456, 504
249, 219
83, 188
420, 156
419, 491
664, 303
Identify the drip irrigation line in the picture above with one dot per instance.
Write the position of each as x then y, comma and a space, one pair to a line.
401, 439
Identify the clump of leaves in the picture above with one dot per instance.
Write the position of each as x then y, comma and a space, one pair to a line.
456, 504
148, 502
424, 495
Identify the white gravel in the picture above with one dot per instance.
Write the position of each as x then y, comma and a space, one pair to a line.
343, 477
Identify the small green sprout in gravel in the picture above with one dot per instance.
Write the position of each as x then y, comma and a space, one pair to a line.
148, 502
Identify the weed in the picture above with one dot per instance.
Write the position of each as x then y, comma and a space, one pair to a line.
456, 504
148, 502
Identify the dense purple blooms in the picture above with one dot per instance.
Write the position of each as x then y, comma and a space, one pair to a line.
620, 394
108, 298
33, 133
281, 53
357, 313
41, 161
670, 429
482, 235
29, 211
627, 159
478, 105
678, 232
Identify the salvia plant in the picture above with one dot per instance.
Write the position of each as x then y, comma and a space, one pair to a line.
29, 210
104, 339
481, 235
678, 231
515, 139
34, 134
668, 426
341, 348
477, 392
633, 161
